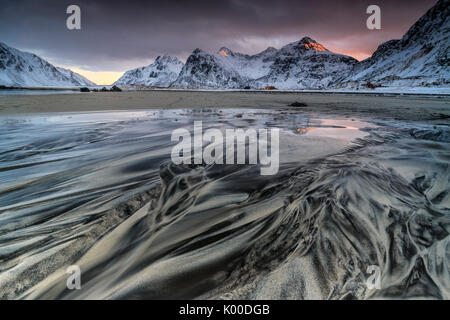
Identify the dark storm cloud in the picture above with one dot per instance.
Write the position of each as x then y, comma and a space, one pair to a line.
117, 35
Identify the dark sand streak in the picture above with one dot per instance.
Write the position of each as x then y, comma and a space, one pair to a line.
380, 196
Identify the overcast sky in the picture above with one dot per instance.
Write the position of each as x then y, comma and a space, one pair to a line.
120, 35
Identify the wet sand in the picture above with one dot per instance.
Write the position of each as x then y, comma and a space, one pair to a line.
395, 107
363, 181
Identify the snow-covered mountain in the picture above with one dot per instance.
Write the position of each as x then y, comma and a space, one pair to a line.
420, 58
299, 65
23, 69
305, 64
208, 70
161, 73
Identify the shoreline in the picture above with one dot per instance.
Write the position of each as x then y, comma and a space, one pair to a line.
438, 92
379, 106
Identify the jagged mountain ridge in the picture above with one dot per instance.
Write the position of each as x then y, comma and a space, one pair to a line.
204, 69
305, 64
24, 69
161, 73
298, 65
420, 58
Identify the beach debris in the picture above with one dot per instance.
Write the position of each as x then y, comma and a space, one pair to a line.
297, 104
115, 89
370, 85
439, 116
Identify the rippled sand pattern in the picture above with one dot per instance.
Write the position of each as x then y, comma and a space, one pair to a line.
99, 190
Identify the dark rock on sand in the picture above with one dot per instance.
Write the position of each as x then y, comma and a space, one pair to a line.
115, 89
297, 104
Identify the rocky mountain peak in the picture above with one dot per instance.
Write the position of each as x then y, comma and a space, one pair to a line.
419, 59
224, 51
435, 21
24, 69
161, 73
198, 51
270, 51
311, 44
303, 46
166, 59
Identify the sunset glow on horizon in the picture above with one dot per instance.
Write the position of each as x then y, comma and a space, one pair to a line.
99, 77
109, 77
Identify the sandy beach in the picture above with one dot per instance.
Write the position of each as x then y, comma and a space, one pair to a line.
414, 107
87, 180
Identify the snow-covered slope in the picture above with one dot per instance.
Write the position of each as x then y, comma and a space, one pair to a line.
23, 69
161, 73
420, 58
305, 64
248, 67
76, 78
207, 70
299, 65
